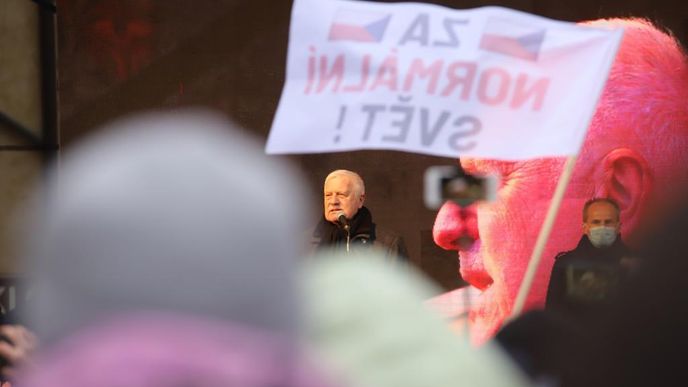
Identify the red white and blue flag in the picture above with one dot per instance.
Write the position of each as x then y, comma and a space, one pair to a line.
359, 26
512, 39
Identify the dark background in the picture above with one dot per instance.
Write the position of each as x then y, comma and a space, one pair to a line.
120, 56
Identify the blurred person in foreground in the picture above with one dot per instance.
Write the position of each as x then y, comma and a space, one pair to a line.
634, 153
158, 349
347, 225
148, 243
369, 324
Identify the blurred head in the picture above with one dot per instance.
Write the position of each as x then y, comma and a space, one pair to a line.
380, 333
344, 192
171, 350
634, 153
167, 211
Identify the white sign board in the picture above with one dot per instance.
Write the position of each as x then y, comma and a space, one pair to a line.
486, 82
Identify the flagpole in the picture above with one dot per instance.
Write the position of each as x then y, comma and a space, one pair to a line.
541, 241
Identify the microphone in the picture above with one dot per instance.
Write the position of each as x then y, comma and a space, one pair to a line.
342, 220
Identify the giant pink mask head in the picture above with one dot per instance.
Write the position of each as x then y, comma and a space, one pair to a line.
635, 152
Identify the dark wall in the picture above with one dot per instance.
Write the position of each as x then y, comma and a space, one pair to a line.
121, 56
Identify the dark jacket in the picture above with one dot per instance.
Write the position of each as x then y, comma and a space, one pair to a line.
363, 234
587, 278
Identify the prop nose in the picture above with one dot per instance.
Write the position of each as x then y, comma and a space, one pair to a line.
456, 228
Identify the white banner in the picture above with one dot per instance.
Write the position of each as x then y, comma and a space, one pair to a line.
487, 82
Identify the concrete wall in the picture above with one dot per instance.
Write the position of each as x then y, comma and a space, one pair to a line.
20, 100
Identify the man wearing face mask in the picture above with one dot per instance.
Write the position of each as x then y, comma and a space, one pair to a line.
586, 278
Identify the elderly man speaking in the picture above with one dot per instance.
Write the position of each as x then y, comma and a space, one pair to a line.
347, 224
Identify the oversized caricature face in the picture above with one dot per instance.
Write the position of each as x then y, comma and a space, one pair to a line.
506, 230
644, 98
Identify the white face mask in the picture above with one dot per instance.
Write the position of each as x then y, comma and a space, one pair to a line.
602, 236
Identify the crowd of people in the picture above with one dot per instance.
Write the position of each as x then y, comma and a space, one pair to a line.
161, 253
156, 261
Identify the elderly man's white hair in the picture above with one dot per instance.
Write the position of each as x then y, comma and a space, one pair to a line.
171, 211
356, 179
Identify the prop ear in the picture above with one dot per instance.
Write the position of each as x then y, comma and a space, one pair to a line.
628, 180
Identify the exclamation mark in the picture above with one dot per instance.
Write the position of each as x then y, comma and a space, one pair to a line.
340, 122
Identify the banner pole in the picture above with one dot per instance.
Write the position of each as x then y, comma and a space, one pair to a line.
543, 236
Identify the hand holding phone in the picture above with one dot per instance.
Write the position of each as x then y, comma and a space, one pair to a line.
444, 183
